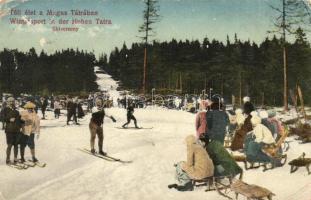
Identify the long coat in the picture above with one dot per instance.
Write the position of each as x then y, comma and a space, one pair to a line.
198, 164
238, 139
217, 122
224, 163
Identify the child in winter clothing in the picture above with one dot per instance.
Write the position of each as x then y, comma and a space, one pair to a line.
29, 129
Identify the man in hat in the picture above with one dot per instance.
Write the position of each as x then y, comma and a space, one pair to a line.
13, 122
30, 127
96, 126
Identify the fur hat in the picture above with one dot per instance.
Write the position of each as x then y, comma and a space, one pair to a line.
256, 120
263, 114
10, 99
29, 105
246, 99
190, 139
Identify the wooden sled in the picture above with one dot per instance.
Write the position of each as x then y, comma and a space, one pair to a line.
254, 165
254, 192
300, 162
221, 184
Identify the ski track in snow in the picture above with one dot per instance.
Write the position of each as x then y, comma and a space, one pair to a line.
71, 174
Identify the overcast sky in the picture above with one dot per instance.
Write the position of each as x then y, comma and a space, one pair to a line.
180, 19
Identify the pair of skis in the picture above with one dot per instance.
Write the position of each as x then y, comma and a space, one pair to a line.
26, 165
134, 127
106, 157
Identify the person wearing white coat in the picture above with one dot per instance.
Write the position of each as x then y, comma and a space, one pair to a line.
30, 127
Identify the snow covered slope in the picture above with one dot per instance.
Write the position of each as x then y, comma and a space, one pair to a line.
106, 83
71, 174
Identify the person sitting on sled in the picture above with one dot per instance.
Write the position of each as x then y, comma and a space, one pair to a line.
260, 137
198, 166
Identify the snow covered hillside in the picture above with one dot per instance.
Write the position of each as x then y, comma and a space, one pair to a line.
72, 174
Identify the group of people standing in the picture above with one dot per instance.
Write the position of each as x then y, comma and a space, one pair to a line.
20, 129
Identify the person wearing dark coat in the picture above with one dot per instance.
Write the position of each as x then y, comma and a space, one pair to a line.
130, 116
44, 105
80, 111
71, 111
13, 127
2, 115
248, 107
96, 127
217, 122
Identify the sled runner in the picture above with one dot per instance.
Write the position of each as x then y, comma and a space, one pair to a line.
301, 161
221, 184
106, 157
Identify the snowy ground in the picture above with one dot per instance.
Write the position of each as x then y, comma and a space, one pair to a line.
71, 174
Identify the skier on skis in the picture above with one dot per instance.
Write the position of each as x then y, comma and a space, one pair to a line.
13, 122
29, 129
96, 126
130, 116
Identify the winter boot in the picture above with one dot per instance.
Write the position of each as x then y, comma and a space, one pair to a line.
187, 187
172, 186
102, 153
93, 151
8, 162
34, 159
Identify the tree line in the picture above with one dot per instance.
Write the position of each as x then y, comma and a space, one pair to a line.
235, 67
63, 72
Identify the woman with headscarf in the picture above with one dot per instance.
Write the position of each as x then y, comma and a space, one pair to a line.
198, 166
256, 140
